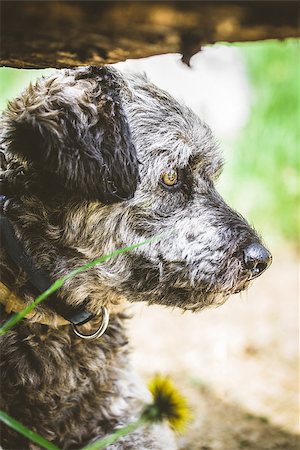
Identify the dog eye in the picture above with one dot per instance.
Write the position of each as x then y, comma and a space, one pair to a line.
170, 180
170, 177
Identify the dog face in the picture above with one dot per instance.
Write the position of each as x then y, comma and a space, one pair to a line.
210, 251
135, 163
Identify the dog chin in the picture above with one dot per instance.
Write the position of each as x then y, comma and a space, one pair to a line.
198, 301
209, 302
214, 299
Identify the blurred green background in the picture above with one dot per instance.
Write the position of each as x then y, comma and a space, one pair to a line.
261, 177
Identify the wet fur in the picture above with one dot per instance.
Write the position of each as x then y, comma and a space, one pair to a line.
83, 153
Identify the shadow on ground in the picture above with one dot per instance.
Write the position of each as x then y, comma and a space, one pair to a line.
226, 426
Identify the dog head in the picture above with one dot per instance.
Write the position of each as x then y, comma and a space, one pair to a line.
210, 251
105, 137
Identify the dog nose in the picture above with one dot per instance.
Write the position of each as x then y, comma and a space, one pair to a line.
257, 259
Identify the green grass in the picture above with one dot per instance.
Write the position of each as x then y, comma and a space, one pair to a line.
31, 435
262, 176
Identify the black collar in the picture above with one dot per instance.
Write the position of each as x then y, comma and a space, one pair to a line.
40, 281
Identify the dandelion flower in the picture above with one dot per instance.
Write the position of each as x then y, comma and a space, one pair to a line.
168, 404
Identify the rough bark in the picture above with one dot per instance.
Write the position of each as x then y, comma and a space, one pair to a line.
70, 33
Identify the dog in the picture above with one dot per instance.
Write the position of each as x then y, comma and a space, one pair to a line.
94, 160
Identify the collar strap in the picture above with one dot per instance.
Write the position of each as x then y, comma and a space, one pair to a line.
77, 315
12, 304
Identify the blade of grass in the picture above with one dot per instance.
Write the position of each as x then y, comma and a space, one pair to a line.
104, 442
20, 428
58, 283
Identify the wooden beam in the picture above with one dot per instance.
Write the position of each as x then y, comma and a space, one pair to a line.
43, 34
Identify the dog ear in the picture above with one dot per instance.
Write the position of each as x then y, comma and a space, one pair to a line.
73, 125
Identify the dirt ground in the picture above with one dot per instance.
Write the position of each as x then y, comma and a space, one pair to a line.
237, 365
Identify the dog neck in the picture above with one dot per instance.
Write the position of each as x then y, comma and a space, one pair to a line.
40, 281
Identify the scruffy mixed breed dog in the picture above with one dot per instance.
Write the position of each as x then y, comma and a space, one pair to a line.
94, 160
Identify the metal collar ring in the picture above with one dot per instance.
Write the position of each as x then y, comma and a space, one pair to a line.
100, 331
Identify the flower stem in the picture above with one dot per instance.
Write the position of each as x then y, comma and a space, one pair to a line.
107, 440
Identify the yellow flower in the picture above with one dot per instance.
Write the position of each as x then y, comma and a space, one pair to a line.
168, 404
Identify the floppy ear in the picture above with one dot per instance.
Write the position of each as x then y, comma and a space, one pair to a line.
73, 125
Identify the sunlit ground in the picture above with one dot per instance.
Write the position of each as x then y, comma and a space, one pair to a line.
238, 365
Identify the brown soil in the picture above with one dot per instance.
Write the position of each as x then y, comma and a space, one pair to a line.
237, 365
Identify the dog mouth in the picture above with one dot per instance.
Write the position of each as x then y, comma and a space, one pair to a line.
196, 300
178, 288
242, 284
247, 278
218, 296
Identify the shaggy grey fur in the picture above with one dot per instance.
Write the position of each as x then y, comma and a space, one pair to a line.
74, 144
